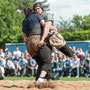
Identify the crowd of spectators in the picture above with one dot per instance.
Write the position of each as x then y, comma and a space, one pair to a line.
17, 63
76, 66
20, 64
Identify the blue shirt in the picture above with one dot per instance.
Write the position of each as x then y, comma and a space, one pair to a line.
67, 63
17, 59
32, 23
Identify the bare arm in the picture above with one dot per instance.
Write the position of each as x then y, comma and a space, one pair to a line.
46, 30
42, 23
47, 27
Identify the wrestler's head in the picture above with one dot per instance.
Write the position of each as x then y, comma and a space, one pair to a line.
27, 10
37, 7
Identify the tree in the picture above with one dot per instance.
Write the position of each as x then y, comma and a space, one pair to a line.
64, 24
10, 22
81, 23
77, 23
29, 3
21, 4
11, 17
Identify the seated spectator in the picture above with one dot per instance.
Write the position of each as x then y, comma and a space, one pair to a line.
16, 62
1, 73
60, 66
30, 67
22, 65
83, 65
76, 65
10, 68
16, 59
68, 67
53, 63
34, 64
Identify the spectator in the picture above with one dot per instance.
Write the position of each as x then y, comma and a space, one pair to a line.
17, 52
83, 66
34, 63
30, 68
10, 68
81, 52
68, 67
76, 65
74, 49
60, 66
16, 62
53, 63
64, 57
56, 56
22, 65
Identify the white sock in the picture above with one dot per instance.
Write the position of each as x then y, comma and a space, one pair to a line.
40, 79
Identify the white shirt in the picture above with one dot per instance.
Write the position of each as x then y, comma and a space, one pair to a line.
17, 53
76, 62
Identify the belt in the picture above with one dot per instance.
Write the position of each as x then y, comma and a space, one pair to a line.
31, 34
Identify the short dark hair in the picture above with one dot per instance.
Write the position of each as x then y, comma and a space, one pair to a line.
38, 4
27, 10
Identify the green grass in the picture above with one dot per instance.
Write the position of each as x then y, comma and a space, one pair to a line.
19, 78
75, 79
61, 79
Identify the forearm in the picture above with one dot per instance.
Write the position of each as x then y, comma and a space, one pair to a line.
46, 30
45, 33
